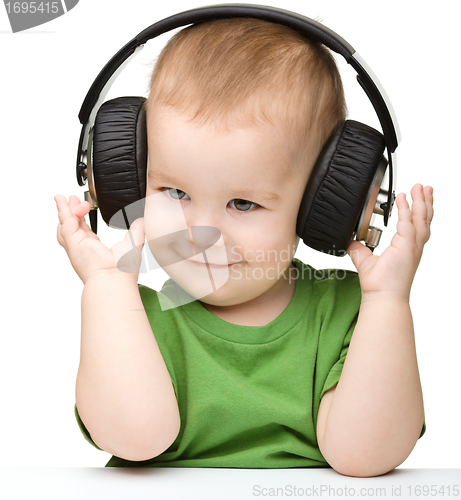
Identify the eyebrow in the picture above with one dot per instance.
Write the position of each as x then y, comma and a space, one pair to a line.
243, 193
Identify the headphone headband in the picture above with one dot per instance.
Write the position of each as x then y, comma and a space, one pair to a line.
301, 24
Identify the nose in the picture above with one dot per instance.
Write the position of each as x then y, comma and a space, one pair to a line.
202, 237
204, 229
176, 232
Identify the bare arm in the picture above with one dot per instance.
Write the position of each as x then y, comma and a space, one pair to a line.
124, 392
371, 421
375, 415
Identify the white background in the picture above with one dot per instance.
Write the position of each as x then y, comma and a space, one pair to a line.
411, 45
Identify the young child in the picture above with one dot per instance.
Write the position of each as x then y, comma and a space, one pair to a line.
254, 372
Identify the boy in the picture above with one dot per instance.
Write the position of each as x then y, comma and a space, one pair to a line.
254, 373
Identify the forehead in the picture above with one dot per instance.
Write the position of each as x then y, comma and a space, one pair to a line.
255, 154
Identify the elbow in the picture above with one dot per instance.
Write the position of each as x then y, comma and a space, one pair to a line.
131, 432
366, 465
141, 445
139, 452
353, 469
365, 462
136, 440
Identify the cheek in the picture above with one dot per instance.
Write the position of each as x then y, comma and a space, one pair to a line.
268, 247
272, 234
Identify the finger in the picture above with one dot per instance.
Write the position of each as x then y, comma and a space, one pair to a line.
73, 201
136, 233
128, 254
420, 215
69, 223
58, 230
417, 192
405, 227
79, 208
428, 195
85, 227
64, 211
358, 252
405, 213
59, 237
418, 207
138, 226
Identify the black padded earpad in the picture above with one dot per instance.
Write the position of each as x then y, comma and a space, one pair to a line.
338, 186
120, 157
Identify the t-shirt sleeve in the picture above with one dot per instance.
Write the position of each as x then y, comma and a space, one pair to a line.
336, 370
84, 430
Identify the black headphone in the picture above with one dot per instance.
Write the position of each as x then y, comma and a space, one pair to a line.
343, 191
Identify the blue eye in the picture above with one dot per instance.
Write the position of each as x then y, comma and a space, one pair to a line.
176, 194
244, 205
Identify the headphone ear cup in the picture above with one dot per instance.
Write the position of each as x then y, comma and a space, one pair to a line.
120, 158
338, 187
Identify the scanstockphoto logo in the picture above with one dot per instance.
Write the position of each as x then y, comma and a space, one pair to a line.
28, 14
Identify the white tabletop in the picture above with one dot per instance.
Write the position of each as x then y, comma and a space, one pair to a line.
53, 483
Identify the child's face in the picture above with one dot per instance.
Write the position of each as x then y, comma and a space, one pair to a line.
217, 173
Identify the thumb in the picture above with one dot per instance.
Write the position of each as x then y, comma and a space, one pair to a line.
136, 233
358, 253
128, 253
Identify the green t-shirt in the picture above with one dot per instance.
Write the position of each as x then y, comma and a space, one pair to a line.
249, 396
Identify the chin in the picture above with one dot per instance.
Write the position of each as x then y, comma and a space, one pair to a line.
225, 297
220, 298
196, 281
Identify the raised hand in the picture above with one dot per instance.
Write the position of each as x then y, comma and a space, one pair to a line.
87, 254
393, 271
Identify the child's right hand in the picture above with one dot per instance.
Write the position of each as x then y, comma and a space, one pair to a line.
86, 253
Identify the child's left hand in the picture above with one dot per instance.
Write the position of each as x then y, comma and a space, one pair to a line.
393, 271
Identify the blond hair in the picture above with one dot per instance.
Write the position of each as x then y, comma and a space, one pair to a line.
243, 72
